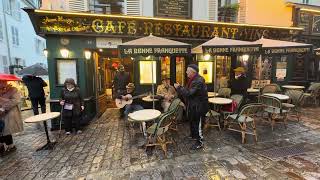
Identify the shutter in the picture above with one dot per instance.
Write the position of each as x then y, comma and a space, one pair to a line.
213, 10
133, 7
76, 5
242, 11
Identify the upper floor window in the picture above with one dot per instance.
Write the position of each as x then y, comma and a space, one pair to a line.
106, 6
15, 35
12, 7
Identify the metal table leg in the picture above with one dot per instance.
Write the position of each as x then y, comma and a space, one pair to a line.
49, 145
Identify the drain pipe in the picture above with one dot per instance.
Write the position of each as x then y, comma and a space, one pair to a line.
6, 35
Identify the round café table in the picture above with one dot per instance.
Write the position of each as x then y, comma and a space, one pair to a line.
149, 99
279, 96
212, 94
220, 101
44, 118
252, 90
142, 116
293, 87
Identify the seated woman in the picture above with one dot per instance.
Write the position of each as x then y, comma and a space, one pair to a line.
167, 92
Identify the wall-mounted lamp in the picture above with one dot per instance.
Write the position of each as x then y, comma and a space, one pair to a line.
245, 57
64, 52
206, 57
87, 54
148, 57
45, 52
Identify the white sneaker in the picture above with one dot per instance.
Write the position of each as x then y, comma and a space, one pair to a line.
79, 132
68, 133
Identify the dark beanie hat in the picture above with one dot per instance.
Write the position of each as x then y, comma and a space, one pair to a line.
194, 66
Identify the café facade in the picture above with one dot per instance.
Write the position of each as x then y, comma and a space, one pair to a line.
84, 46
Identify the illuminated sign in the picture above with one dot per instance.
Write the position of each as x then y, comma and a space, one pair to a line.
117, 26
287, 50
133, 51
230, 50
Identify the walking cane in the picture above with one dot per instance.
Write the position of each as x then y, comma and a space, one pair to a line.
60, 122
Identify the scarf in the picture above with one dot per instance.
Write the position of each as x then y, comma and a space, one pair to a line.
190, 81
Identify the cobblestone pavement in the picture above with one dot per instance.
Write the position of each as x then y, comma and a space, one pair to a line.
105, 151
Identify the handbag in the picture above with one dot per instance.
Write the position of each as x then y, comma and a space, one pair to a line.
230, 107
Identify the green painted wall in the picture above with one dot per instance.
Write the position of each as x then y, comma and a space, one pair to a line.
85, 71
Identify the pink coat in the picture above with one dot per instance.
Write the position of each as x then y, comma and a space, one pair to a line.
10, 101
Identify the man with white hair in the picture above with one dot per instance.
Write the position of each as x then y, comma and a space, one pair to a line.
196, 95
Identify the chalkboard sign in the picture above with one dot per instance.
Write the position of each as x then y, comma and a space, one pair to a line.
173, 8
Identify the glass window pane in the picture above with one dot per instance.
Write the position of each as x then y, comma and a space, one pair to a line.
165, 67
206, 71
146, 70
180, 70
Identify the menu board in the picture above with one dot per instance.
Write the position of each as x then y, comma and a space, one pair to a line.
173, 8
66, 69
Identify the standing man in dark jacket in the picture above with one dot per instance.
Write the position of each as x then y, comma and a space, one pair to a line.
36, 93
196, 96
240, 84
121, 80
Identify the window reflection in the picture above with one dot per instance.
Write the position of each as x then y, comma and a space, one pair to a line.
206, 71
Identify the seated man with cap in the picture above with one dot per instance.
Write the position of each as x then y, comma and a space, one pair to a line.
167, 92
135, 105
239, 84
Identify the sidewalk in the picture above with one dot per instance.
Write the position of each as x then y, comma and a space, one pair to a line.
105, 151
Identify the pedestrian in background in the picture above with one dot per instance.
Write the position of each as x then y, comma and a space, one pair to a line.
72, 104
196, 96
37, 96
10, 116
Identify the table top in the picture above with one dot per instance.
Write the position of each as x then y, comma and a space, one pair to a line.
42, 117
293, 87
252, 90
211, 94
279, 96
221, 101
144, 115
149, 99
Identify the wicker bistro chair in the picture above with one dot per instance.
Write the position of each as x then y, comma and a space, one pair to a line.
296, 100
313, 93
270, 88
245, 119
224, 92
274, 110
157, 133
176, 107
211, 116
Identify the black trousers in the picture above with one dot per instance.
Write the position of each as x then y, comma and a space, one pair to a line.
69, 121
196, 124
6, 139
35, 104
